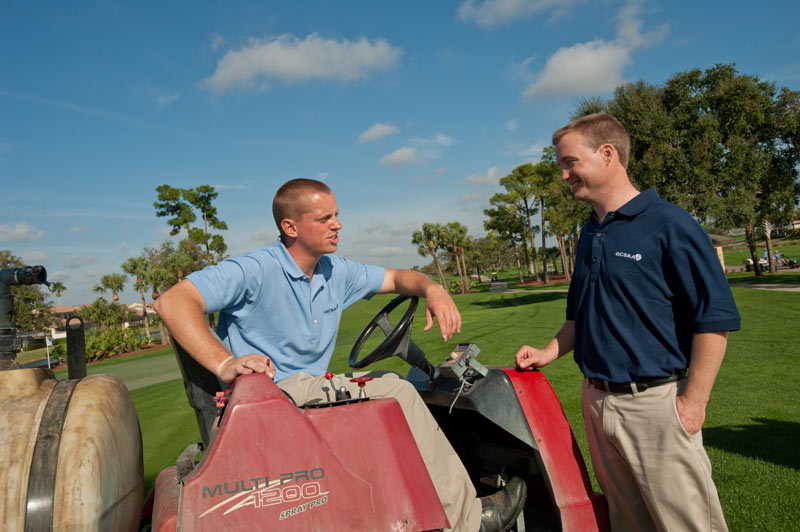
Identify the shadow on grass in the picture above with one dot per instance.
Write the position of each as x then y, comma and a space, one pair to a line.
767, 278
516, 299
767, 440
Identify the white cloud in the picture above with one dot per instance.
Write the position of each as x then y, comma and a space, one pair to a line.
427, 177
162, 97
267, 234
443, 140
217, 41
76, 262
22, 232
470, 197
377, 131
400, 157
510, 125
290, 59
322, 176
534, 150
492, 13
490, 177
36, 257
440, 139
584, 68
594, 66
122, 249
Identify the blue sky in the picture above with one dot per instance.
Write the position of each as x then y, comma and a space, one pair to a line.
411, 111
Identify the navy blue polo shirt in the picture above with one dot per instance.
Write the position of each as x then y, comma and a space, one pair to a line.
646, 279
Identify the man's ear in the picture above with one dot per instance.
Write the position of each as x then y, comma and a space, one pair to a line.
289, 227
607, 151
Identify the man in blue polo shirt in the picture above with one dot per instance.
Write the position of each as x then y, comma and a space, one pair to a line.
279, 312
648, 313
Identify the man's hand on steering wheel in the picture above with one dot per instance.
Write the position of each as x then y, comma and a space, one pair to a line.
440, 305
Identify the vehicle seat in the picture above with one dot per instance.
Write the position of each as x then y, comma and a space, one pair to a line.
201, 388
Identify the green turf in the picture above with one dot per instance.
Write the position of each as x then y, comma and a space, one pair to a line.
136, 371
168, 426
750, 432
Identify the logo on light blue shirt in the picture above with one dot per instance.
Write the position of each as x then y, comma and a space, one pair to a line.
332, 309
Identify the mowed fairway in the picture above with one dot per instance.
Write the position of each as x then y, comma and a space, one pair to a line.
751, 431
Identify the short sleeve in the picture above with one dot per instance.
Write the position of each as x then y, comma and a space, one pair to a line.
360, 281
696, 277
229, 284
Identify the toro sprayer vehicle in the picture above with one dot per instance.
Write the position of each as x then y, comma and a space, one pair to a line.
351, 463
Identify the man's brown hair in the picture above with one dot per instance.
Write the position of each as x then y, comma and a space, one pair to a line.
598, 129
290, 200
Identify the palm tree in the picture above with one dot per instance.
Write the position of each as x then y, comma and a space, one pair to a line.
456, 235
138, 267
58, 288
429, 241
114, 282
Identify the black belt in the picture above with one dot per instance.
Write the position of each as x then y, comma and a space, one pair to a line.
641, 385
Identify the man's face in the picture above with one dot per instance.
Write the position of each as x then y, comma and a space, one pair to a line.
582, 168
318, 228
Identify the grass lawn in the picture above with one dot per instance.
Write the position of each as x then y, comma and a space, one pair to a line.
750, 432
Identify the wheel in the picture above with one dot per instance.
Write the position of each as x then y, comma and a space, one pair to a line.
397, 337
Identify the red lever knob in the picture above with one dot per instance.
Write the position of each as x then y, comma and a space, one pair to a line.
362, 381
328, 375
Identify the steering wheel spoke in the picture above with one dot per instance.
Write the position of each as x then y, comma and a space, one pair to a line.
397, 336
382, 320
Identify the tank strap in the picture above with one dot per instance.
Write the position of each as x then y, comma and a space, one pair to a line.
42, 478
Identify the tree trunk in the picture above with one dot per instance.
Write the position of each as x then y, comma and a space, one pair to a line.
572, 238
527, 260
466, 272
750, 234
145, 316
458, 267
546, 277
773, 266
533, 274
564, 265
519, 264
162, 331
432, 249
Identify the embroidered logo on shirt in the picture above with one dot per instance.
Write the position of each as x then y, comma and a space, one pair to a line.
332, 309
637, 256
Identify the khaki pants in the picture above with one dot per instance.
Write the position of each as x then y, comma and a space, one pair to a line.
449, 477
655, 476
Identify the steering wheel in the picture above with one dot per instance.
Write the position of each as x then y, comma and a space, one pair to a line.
397, 337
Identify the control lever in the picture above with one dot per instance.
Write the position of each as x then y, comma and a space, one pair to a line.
342, 393
362, 383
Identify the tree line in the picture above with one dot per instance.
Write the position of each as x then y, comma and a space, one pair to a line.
725, 146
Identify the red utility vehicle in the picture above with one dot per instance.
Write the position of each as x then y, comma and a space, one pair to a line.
351, 464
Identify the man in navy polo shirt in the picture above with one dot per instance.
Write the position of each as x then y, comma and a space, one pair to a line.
648, 314
279, 312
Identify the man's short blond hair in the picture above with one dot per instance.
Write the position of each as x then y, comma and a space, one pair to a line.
292, 199
598, 129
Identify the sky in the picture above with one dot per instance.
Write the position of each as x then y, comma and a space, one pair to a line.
410, 111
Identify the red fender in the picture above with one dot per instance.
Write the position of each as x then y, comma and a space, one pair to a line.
580, 508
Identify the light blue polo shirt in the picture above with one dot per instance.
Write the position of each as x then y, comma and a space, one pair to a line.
267, 305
